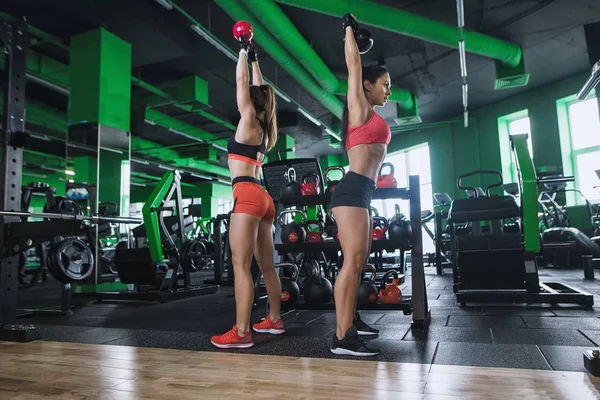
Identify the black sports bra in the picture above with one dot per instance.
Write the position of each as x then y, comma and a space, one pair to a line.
246, 152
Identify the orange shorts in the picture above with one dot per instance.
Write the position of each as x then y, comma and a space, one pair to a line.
249, 197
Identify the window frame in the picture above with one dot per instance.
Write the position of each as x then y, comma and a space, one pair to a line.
507, 161
569, 156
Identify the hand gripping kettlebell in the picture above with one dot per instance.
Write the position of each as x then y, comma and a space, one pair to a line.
293, 232
313, 236
331, 183
242, 31
390, 293
291, 187
367, 291
289, 287
387, 180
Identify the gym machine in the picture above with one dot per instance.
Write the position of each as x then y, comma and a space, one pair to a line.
162, 255
316, 285
18, 235
498, 264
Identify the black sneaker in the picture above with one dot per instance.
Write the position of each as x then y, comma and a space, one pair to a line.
362, 328
352, 345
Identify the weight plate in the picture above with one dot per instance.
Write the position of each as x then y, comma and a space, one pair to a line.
193, 256
70, 260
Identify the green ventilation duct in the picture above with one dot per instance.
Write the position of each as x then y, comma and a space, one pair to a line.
277, 22
399, 21
238, 11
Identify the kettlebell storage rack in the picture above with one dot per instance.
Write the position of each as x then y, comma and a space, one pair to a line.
416, 304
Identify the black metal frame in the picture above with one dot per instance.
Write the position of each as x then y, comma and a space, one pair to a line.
15, 41
416, 304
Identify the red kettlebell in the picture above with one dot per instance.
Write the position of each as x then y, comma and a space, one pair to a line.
380, 227
311, 235
388, 180
331, 183
390, 293
242, 31
310, 184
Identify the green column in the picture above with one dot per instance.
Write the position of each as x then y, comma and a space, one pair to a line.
283, 142
86, 169
210, 193
100, 77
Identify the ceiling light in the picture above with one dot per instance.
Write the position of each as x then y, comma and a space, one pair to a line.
165, 4
201, 176
138, 184
591, 83
310, 117
31, 174
166, 167
45, 138
280, 94
463, 58
224, 181
460, 10
71, 181
208, 37
216, 146
69, 172
135, 160
150, 122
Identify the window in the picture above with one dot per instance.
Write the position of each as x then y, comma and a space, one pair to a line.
224, 206
414, 161
508, 125
579, 126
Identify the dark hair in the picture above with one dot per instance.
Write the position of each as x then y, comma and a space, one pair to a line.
263, 99
369, 73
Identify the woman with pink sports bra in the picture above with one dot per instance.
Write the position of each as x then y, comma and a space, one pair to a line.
365, 136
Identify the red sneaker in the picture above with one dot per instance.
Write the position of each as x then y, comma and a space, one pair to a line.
231, 340
268, 326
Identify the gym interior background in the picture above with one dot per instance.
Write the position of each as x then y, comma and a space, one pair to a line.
130, 105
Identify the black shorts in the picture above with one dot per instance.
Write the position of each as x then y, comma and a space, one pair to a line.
354, 190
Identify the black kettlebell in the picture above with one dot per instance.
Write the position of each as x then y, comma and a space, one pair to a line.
291, 186
317, 288
289, 287
399, 227
331, 227
367, 291
292, 232
331, 183
364, 40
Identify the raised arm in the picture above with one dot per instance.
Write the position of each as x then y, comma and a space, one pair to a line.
355, 96
242, 83
257, 78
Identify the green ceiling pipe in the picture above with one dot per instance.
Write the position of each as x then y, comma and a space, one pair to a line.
277, 22
237, 11
400, 96
286, 33
399, 21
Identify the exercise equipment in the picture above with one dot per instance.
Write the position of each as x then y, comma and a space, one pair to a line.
289, 287
293, 232
332, 183
496, 266
386, 180
331, 228
291, 186
367, 290
70, 260
380, 227
195, 255
314, 236
364, 40
390, 293
159, 264
242, 31
317, 288
399, 227
310, 185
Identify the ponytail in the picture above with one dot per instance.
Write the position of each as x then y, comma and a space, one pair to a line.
270, 117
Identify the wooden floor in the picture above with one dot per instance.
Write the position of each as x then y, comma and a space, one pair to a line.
83, 371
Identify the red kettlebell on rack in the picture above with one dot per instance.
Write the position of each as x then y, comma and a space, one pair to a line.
242, 31
314, 236
331, 183
387, 180
390, 293
310, 184
380, 227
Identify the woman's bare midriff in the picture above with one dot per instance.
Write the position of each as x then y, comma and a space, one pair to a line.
240, 168
365, 159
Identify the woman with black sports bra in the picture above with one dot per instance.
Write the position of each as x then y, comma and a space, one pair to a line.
250, 226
